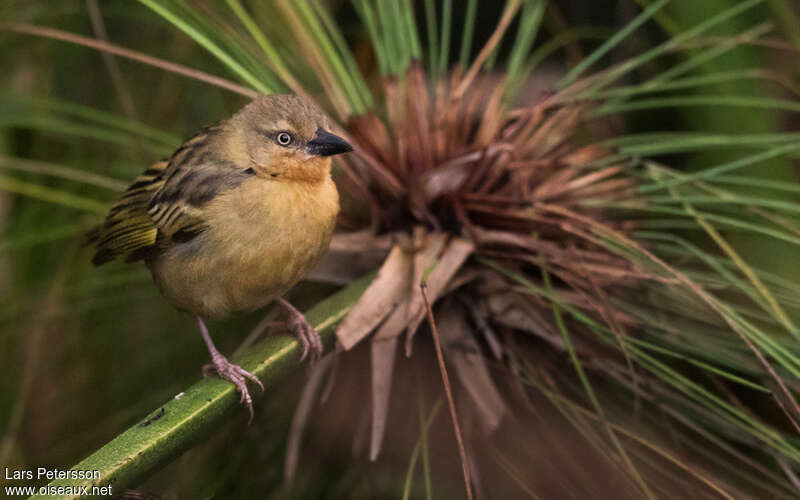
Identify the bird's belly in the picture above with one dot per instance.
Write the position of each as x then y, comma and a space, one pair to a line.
242, 263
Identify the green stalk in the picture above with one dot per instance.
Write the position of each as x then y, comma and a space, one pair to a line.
444, 45
611, 43
206, 43
310, 18
711, 172
468, 33
394, 47
531, 20
367, 15
576, 363
182, 421
411, 30
273, 57
433, 37
674, 42
362, 93
51, 195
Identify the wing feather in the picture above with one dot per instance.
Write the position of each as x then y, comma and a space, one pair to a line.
163, 206
128, 229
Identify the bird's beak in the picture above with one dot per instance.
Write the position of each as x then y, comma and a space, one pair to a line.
327, 144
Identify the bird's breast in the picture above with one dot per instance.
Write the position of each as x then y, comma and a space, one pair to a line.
262, 238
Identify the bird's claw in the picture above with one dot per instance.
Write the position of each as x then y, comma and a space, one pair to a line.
306, 333
308, 337
236, 375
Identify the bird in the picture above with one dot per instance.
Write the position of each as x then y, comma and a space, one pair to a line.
239, 214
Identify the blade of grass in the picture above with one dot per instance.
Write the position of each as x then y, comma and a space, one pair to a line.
433, 38
209, 45
73, 174
94, 132
510, 11
270, 52
711, 172
530, 22
789, 18
29, 105
703, 82
444, 44
650, 144
698, 393
561, 40
706, 56
219, 32
578, 366
52, 195
130, 54
296, 15
738, 260
368, 17
467, 33
672, 43
698, 100
612, 42
425, 425
312, 14
748, 333
411, 27
120, 86
396, 27
361, 92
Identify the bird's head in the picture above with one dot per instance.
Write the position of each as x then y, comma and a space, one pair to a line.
288, 137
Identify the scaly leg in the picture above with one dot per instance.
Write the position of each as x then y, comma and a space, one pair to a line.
305, 332
228, 371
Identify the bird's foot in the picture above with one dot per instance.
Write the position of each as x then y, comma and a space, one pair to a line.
306, 333
236, 375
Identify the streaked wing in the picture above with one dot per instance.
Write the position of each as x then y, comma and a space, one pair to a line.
164, 205
128, 229
196, 173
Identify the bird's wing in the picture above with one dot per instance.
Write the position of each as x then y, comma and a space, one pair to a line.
195, 175
176, 208
128, 229
165, 204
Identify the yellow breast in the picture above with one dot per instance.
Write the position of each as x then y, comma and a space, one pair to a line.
263, 237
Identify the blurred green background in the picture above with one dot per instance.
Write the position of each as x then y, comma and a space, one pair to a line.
85, 353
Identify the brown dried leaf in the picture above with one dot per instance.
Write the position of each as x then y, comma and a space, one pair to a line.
383, 355
419, 109
447, 177
451, 260
492, 119
480, 316
463, 350
399, 319
373, 136
508, 310
382, 295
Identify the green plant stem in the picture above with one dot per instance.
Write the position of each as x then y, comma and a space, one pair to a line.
173, 428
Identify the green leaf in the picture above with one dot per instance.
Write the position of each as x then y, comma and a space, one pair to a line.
611, 43
208, 44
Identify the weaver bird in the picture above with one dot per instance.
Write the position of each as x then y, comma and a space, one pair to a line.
234, 218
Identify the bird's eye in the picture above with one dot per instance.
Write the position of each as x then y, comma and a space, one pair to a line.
284, 138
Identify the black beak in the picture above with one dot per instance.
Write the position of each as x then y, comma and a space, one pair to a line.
327, 144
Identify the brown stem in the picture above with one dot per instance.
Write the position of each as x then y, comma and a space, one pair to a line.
102, 46
448, 391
